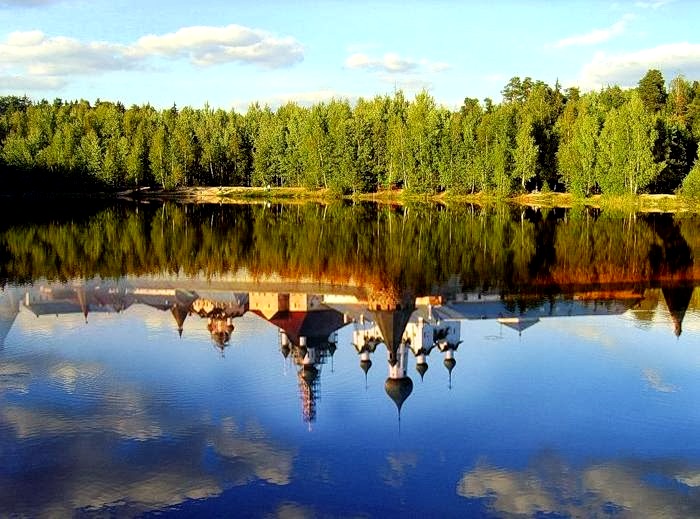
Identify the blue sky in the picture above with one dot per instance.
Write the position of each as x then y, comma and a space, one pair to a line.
231, 53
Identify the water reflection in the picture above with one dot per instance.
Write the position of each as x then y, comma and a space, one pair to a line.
540, 363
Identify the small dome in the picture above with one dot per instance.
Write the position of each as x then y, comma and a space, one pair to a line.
398, 389
220, 338
449, 364
365, 365
421, 368
285, 349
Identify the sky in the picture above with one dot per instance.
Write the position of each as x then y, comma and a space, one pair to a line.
232, 53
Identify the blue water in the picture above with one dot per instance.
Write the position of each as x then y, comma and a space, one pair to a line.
120, 416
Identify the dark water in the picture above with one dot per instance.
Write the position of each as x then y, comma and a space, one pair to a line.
270, 361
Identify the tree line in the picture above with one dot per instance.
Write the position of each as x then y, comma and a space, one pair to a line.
539, 138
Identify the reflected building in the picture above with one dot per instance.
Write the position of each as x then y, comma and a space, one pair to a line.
219, 314
405, 327
99, 296
419, 330
308, 322
80, 298
307, 332
521, 314
424, 332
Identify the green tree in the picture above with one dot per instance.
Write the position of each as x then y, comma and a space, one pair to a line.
691, 183
626, 161
158, 154
496, 142
652, 90
400, 158
525, 154
577, 152
423, 131
92, 155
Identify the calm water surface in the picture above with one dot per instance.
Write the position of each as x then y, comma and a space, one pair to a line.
348, 361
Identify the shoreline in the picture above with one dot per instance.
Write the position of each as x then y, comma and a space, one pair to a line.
551, 200
248, 195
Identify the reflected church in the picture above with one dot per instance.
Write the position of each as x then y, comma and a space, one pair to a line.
410, 329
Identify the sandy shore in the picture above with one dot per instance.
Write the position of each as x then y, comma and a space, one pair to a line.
237, 195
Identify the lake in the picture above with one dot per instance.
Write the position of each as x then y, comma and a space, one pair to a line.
348, 360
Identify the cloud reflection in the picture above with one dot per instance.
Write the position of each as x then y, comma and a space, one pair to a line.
293, 511
68, 374
120, 451
653, 378
14, 376
399, 465
629, 488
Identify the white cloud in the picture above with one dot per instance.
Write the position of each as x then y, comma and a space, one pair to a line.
37, 56
596, 35
393, 63
24, 39
626, 69
232, 43
32, 60
390, 62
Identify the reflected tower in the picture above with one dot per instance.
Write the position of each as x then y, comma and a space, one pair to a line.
391, 315
307, 331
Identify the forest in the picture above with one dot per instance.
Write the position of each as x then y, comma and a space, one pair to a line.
539, 138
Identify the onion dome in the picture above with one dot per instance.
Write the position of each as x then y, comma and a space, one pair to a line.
421, 368
398, 389
332, 348
365, 365
450, 363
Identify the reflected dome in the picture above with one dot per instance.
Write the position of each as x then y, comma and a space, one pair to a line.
365, 365
398, 389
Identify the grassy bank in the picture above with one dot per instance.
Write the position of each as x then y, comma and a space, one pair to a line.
221, 195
